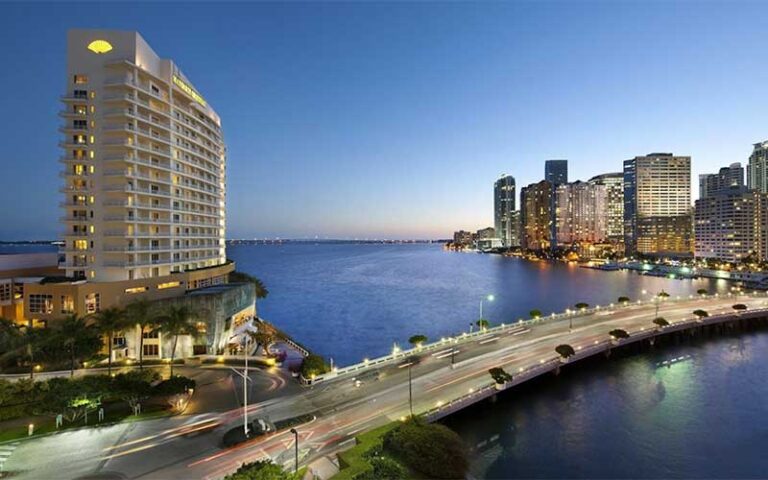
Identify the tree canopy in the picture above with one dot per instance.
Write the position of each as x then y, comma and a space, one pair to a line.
618, 333
565, 350
429, 448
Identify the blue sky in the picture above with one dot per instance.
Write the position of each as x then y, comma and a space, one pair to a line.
393, 120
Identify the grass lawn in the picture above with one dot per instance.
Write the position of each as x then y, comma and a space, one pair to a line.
48, 425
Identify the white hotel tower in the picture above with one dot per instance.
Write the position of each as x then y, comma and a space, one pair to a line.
144, 164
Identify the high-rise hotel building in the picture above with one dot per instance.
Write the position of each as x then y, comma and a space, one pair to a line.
144, 194
144, 163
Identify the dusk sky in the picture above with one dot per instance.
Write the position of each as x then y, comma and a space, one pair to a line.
393, 120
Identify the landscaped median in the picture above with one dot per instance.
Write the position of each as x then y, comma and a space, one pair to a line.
62, 403
408, 449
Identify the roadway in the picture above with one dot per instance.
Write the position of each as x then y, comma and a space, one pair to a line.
189, 446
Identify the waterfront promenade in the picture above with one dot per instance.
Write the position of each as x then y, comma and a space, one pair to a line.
189, 447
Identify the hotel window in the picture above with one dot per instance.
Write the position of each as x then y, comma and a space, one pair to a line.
78, 169
151, 334
78, 154
80, 124
40, 303
67, 304
92, 302
80, 244
151, 350
136, 290
163, 286
80, 109
5, 292
81, 79
81, 93
79, 139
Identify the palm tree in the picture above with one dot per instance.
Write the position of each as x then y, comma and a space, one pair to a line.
176, 321
78, 337
140, 313
242, 277
622, 300
110, 322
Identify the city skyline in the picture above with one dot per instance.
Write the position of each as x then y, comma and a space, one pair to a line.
433, 137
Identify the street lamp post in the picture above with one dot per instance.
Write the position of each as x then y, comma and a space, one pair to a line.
410, 389
246, 379
295, 450
245, 389
487, 297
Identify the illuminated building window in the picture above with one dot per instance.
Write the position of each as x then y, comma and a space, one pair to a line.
165, 285
136, 290
91, 169
91, 154
40, 303
5, 292
92, 301
80, 244
67, 304
81, 79
151, 350
93, 139
91, 228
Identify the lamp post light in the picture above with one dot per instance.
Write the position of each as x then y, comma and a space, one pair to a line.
295, 450
487, 297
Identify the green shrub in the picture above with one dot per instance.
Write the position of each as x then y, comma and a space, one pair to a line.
431, 449
261, 470
313, 365
383, 468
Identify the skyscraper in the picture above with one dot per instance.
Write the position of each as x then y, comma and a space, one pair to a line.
580, 214
536, 216
556, 172
144, 200
657, 204
614, 206
757, 169
505, 219
726, 178
732, 225
144, 163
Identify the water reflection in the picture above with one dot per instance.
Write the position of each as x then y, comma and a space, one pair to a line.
675, 412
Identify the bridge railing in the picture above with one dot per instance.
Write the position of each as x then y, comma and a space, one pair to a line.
523, 374
445, 342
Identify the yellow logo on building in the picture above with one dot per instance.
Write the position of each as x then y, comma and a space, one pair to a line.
188, 90
99, 46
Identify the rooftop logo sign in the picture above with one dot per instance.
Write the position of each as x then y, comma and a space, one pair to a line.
99, 46
189, 90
